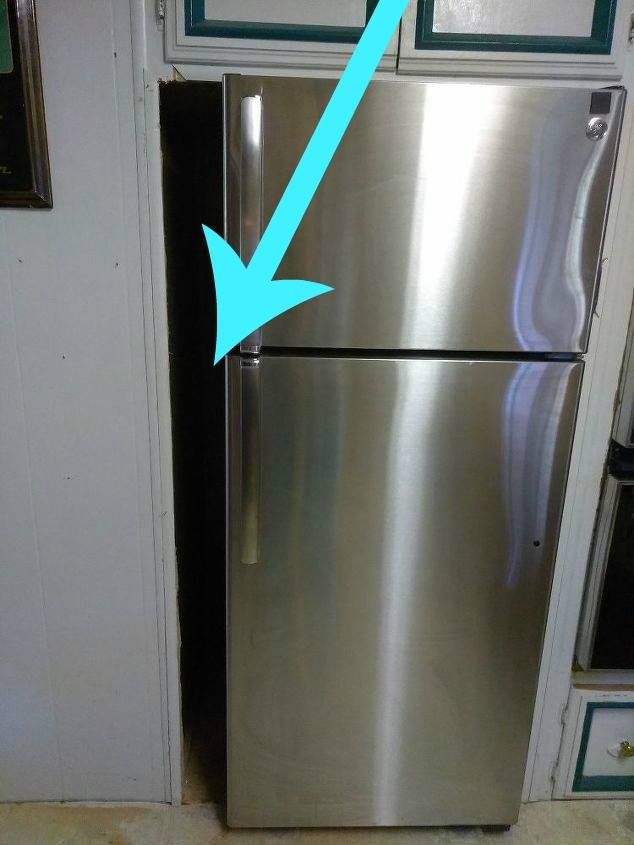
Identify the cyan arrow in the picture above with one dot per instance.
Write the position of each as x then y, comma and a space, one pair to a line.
247, 297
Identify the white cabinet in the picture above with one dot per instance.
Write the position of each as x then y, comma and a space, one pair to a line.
279, 33
569, 38
597, 752
505, 38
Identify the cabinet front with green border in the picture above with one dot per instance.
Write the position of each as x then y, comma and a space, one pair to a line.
277, 33
603, 765
567, 38
286, 20
501, 38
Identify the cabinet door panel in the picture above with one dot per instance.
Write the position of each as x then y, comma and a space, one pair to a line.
499, 17
511, 37
297, 13
283, 33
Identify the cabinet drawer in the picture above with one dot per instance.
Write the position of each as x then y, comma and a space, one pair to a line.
606, 753
597, 751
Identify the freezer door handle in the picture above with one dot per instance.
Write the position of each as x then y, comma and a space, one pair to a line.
250, 414
250, 192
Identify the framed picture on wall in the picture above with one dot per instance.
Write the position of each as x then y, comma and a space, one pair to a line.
24, 168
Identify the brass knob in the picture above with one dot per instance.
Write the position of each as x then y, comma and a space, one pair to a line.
626, 749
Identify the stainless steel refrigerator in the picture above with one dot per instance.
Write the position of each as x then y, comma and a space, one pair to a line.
398, 449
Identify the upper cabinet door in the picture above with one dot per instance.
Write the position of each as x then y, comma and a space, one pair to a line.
279, 33
566, 38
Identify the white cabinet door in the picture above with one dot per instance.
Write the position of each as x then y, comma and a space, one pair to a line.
595, 759
281, 33
569, 38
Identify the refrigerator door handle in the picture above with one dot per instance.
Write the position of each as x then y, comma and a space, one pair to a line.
250, 192
251, 454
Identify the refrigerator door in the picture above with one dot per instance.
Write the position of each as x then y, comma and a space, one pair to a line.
390, 559
453, 216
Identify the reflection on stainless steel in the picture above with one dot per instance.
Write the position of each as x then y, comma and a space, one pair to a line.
550, 285
456, 217
251, 176
251, 464
398, 601
535, 400
250, 206
401, 556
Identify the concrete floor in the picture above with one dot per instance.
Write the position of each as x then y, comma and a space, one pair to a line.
554, 823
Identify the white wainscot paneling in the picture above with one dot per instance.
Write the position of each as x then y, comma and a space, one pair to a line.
80, 694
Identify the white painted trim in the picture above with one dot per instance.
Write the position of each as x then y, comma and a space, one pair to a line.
595, 419
571, 741
157, 364
164, 447
164, 435
604, 678
571, 738
214, 73
126, 41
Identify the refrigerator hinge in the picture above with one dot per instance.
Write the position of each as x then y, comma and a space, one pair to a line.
160, 10
252, 344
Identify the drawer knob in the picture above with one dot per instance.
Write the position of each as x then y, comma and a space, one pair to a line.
626, 749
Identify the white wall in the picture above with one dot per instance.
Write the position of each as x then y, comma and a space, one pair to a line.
80, 689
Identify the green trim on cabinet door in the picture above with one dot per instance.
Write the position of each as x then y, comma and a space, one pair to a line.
6, 52
197, 24
598, 42
599, 783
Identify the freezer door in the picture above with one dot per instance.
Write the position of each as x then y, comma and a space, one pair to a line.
453, 216
390, 560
